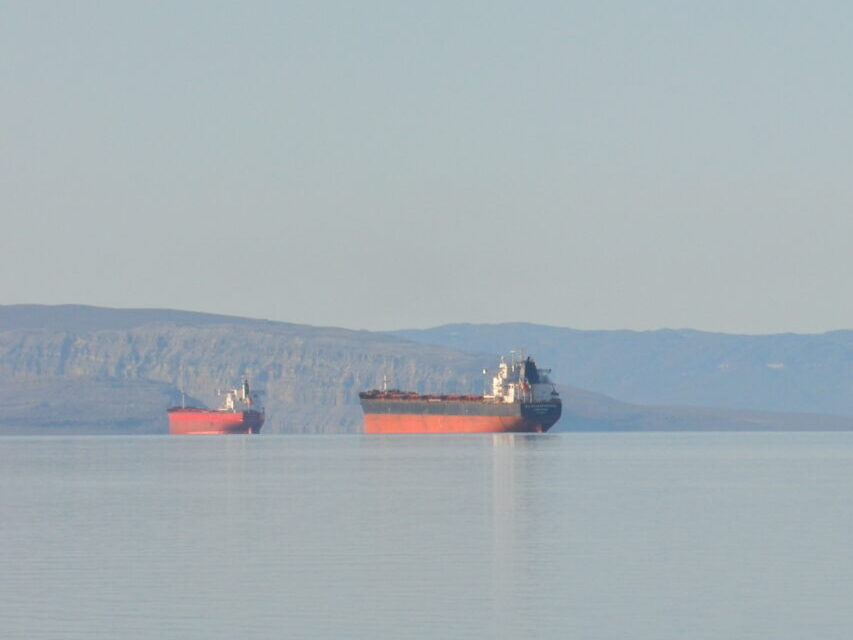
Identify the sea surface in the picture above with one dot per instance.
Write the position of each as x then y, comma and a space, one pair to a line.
636, 536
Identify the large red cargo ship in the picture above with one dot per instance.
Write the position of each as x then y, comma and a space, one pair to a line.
240, 413
523, 400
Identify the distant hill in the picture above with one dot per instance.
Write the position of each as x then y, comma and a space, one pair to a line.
129, 365
81, 318
78, 369
588, 411
76, 404
787, 372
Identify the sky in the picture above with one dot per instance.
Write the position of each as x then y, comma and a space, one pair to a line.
381, 165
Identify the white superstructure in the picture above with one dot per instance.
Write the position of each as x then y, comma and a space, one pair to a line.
522, 381
241, 399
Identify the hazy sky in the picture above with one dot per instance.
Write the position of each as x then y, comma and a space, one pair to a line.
387, 164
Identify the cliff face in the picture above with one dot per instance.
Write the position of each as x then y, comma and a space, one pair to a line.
130, 369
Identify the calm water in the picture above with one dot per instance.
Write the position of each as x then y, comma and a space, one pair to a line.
634, 536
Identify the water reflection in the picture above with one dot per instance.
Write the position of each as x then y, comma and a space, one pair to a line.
516, 468
502, 536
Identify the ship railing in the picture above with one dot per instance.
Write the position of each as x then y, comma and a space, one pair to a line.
376, 394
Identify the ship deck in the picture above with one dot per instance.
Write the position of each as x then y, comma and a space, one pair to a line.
411, 396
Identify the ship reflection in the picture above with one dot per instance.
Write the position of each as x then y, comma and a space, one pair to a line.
474, 506
517, 521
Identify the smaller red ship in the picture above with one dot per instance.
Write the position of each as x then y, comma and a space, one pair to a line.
240, 413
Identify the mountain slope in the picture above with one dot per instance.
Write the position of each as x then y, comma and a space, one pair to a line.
311, 375
787, 372
588, 411
75, 369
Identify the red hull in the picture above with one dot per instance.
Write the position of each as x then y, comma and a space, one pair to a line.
424, 423
190, 420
